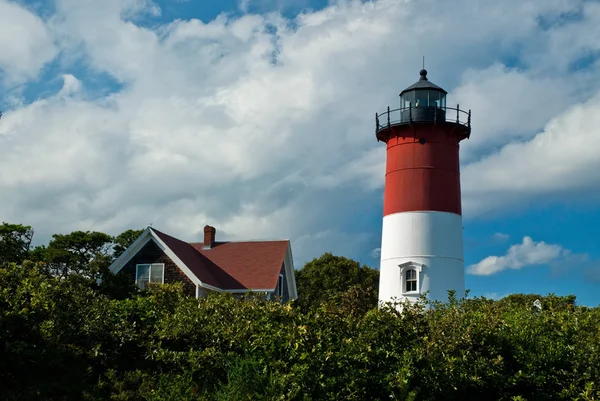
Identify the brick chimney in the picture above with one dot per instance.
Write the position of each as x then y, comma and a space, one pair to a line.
209, 237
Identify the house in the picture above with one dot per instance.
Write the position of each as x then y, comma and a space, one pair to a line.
236, 267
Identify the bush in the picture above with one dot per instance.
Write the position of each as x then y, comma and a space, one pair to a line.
63, 339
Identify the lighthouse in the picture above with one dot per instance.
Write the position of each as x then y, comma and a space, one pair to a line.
422, 234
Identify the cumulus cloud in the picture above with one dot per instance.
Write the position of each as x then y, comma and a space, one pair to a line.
527, 253
558, 162
511, 105
26, 44
264, 126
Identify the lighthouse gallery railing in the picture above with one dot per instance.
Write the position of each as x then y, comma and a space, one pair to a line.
409, 115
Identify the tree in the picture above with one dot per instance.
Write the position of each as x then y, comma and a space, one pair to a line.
80, 252
119, 286
15, 243
62, 339
124, 241
331, 278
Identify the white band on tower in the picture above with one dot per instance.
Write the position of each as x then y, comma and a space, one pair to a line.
429, 243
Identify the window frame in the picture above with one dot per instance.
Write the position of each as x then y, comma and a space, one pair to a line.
404, 269
421, 95
408, 100
137, 267
408, 281
280, 282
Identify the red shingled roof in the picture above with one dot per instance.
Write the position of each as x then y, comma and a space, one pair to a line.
232, 265
202, 267
256, 265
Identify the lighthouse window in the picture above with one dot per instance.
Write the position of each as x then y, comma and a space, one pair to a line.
408, 99
436, 98
411, 280
422, 98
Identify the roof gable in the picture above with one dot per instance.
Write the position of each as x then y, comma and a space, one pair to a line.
202, 267
149, 235
227, 266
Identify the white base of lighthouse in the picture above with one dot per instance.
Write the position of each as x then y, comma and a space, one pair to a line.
431, 244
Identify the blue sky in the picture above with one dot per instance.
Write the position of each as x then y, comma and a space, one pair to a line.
123, 113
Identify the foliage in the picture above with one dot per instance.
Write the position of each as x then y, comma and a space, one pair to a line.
81, 253
15, 242
65, 338
337, 279
124, 240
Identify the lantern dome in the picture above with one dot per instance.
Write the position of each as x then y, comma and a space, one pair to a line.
423, 93
422, 103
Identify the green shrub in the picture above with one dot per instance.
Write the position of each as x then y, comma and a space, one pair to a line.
63, 339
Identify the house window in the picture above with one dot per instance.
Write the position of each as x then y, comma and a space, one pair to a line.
149, 273
411, 280
280, 286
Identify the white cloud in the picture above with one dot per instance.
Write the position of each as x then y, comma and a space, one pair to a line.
270, 135
25, 43
495, 296
376, 253
501, 237
71, 85
511, 105
558, 162
527, 253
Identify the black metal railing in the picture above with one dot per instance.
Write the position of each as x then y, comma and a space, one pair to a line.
428, 114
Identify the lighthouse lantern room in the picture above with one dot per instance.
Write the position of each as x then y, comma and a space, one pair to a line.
422, 239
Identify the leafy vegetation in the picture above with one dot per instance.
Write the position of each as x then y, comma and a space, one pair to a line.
15, 242
337, 280
63, 337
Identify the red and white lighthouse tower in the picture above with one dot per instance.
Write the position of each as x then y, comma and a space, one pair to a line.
422, 235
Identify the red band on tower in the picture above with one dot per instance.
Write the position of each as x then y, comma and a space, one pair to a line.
422, 170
